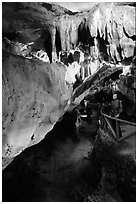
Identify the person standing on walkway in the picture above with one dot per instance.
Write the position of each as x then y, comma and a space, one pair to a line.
117, 109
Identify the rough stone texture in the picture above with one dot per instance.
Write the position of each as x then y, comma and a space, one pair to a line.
34, 97
49, 170
54, 28
113, 169
94, 81
127, 86
59, 168
109, 20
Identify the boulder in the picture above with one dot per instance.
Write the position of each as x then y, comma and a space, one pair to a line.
32, 91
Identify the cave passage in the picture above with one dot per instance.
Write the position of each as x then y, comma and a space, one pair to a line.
69, 102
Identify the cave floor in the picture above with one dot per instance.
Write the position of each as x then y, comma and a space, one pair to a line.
72, 160
64, 175
55, 175
127, 144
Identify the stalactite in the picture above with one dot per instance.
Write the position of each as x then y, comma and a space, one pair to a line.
102, 23
108, 20
53, 39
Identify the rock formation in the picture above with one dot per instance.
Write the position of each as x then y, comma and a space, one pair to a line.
34, 97
107, 29
59, 153
62, 168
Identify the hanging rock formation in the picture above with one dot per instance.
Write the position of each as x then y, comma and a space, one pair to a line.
109, 28
34, 92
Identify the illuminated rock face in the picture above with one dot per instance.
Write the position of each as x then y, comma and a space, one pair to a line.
113, 23
34, 97
108, 28
34, 92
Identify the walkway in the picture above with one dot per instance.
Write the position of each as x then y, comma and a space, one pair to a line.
127, 143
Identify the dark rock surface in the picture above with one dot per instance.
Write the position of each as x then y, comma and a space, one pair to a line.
118, 170
49, 170
63, 167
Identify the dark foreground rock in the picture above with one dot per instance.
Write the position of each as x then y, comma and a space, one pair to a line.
117, 169
49, 170
65, 167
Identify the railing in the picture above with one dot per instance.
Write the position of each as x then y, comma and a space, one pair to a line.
108, 121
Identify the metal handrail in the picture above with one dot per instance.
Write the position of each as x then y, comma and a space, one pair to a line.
117, 119
107, 117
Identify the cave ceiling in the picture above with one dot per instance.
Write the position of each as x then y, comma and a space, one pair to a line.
50, 24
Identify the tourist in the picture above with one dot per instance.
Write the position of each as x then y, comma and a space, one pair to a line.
117, 109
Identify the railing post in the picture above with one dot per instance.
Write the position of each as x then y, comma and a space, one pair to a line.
117, 133
117, 130
113, 132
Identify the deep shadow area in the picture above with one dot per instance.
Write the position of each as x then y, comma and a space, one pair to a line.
70, 167
84, 36
49, 170
58, 41
102, 45
48, 45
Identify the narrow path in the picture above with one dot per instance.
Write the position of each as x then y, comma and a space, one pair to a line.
127, 144
48, 173
128, 131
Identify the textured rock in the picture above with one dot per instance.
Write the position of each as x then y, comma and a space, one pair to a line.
128, 89
54, 28
116, 172
33, 96
49, 170
95, 80
61, 169
108, 20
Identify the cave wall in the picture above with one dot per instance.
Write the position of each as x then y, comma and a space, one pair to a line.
110, 24
34, 96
